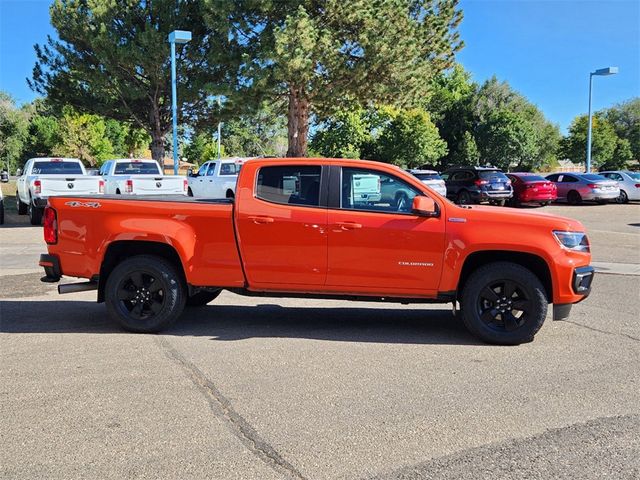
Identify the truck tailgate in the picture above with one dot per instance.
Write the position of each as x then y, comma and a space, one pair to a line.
149, 185
68, 185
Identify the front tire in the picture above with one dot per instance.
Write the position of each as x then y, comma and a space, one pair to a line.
145, 294
35, 214
21, 207
574, 198
504, 303
463, 198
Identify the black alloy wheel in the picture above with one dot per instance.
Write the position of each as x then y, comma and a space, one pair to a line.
145, 294
503, 303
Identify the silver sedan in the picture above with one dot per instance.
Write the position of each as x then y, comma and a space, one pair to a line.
629, 183
575, 188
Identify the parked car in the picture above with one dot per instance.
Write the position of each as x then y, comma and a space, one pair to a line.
148, 259
1, 208
431, 179
128, 176
48, 177
215, 179
467, 185
530, 188
4, 176
629, 183
575, 188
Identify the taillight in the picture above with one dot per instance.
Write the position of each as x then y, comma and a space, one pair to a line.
593, 185
37, 186
101, 186
50, 226
637, 185
129, 186
480, 182
185, 185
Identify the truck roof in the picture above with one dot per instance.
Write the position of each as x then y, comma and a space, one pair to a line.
55, 159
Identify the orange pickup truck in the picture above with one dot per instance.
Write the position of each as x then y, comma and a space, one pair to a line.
320, 228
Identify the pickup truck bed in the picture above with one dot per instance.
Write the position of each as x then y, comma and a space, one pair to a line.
295, 229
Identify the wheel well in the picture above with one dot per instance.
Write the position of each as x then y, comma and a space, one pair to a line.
532, 262
121, 250
230, 193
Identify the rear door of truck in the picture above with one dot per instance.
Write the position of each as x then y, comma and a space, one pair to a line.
282, 229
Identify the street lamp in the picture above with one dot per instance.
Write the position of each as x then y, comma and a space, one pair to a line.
600, 72
177, 36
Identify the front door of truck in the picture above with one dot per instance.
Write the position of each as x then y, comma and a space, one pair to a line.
378, 246
282, 228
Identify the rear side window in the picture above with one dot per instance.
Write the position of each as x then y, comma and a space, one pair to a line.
569, 179
292, 184
461, 176
137, 168
56, 168
592, 178
230, 168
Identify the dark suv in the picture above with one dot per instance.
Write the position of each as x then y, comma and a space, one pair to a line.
477, 184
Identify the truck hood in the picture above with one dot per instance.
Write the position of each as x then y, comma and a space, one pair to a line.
514, 217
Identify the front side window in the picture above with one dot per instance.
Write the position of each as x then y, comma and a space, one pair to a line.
375, 191
203, 170
212, 169
290, 184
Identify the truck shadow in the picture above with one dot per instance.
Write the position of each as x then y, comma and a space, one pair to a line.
234, 323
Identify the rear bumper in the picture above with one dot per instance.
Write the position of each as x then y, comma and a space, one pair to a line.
40, 202
493, 195
601, 195
51, 265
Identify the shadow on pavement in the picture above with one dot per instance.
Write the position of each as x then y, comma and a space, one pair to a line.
229, 323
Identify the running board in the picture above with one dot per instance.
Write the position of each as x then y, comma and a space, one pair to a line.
77, 287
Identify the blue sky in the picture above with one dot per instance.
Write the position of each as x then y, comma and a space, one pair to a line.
544, 48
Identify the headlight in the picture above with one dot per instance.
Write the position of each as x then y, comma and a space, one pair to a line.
576, 241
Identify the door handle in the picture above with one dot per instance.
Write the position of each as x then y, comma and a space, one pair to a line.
349, 225
261, 219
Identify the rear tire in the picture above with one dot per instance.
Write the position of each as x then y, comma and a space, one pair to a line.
200, 299
574, 198
463, 198
623, 197
1, 212
230, 194
504, 303
189, 192
145, 294
35, 214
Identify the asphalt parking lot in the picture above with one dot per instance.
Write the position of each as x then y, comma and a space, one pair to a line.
287, 388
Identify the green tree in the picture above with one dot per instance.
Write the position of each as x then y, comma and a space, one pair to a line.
112, 59
260, 132
342, 135
84, 137
319, 56
44, 136
201, 148
13, 132
409, 139
625, 119
603, 141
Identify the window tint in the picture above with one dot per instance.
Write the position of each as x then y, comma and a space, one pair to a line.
56, 168
464, 175
634, 175
568, 179
104, 168
137, 168
592, 178
427, 176
492, 175
376, 191
293, 184
531, 178
212, 169
230, 168
553, 178
203, 169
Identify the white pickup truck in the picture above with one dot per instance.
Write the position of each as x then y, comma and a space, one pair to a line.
48, 177
216, 179
128, 176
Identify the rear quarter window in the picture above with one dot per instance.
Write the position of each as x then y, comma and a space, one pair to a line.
290, 185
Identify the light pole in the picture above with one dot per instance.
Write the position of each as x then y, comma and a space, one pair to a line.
219, 129
177, 36
599, 72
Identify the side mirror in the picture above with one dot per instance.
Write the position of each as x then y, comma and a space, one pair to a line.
190, 172
424, 207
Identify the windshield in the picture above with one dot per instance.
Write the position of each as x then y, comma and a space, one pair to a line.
634, 175
492, 175
137, 168
56, 168
427, 176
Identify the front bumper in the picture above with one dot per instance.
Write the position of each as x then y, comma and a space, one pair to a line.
581, 286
